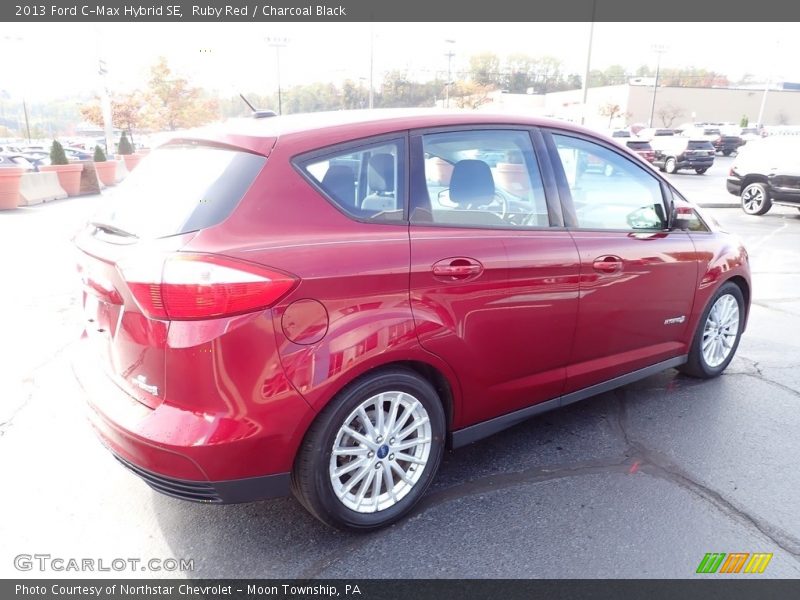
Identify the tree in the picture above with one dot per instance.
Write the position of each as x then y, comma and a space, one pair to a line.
668, 113
610, 110
57, 154
126, 112
469, 94
125, 147
171, 103
484, 69
744, 121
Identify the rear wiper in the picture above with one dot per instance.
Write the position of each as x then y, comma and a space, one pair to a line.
112, 229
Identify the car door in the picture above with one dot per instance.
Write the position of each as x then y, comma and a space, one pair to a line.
494, 279
638, 278
784, 173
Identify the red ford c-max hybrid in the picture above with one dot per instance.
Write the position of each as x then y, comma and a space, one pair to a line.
321, 303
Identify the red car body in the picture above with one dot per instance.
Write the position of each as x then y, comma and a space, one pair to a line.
515, 321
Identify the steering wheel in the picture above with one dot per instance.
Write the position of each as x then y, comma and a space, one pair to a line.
497, 198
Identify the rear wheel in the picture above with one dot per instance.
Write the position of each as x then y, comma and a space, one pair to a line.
701, 171
718, 333
671, 165
372, 452
755, 199
727, 152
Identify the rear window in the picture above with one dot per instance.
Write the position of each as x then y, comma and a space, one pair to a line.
711, 132
178, 189
633, 145
700, 146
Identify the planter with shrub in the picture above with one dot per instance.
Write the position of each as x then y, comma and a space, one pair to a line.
69, 175
106, 169
126, 151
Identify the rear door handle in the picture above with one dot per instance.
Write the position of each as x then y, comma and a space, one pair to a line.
607, 264
457, 269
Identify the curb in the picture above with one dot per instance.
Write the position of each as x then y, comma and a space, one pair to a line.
720, 204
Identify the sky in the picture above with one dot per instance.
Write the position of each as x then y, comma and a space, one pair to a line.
60, 60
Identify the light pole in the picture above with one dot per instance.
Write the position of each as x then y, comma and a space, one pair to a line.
449, 54
659, 49
16, 38
588, 65
371, 64
278, 43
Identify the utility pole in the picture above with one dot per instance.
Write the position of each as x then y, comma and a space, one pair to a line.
449, 54
371, 65
18, 39
278, 43
588, 65
659, 49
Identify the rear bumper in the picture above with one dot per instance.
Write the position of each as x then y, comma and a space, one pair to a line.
696, 163
734, 185
192, 455
214, 492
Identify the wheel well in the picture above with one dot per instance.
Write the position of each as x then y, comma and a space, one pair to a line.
748, 179
742, 283
437, 379
430, 374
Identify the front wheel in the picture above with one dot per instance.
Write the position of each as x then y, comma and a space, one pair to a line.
671, 166
372, 452
727, 152
755, 199
701, 171
718, 333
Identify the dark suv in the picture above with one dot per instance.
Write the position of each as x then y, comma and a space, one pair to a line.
675, 153
323, 303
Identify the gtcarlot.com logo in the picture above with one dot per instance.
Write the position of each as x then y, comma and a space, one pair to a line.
47, 562
735, 562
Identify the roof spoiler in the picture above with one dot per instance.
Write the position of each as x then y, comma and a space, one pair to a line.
258, 114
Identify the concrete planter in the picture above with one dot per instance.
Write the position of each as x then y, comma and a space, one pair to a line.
131, 160
107, 171
10, 178
69, 176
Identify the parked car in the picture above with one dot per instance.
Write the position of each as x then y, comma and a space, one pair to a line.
650, 133
11, 159
750, 134
323, 303
642, 148
767, 172
78, 154
675, 153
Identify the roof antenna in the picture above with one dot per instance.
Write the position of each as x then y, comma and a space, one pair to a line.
258, 114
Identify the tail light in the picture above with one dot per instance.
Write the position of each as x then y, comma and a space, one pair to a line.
202, 286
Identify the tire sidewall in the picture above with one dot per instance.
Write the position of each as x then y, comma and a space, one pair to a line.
346, 402
697, 345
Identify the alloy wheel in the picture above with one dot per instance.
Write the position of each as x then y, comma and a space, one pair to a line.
721, 330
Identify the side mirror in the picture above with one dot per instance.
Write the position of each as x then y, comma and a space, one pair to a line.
681, 217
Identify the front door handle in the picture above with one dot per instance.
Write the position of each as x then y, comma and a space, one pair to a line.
607, 264
457, 269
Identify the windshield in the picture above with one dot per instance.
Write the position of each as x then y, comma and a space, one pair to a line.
178, 189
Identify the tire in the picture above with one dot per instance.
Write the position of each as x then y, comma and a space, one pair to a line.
727, 152
671, 166
701, 171
755, 199
327, 496
720, 342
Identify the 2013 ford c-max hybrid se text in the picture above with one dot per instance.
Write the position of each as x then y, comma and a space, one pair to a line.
322, 303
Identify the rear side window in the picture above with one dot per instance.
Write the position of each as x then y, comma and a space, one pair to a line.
639, 145
178, 189
365, 182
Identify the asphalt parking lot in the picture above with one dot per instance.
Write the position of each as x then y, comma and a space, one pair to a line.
639, 482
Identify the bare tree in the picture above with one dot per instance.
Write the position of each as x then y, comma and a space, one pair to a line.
610, 110
668, 113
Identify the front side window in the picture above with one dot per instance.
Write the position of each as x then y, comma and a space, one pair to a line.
609, 191
481, 178
365, 182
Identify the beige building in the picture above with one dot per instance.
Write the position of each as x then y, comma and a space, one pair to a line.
674, 105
